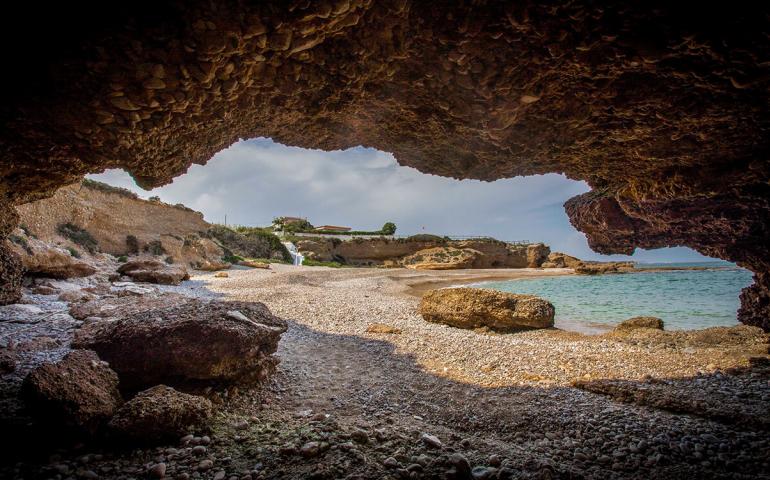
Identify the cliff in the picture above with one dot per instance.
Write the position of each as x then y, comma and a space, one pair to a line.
110, 215
425, 252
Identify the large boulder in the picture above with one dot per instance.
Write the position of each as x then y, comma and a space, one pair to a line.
47, 260
640, 322
189, 344
160, 413
477, 307
441, 258
80, 392
561, 260
154, 271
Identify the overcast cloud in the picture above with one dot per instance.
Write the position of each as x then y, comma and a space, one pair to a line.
256, 180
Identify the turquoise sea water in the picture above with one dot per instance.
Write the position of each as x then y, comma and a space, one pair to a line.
684, 299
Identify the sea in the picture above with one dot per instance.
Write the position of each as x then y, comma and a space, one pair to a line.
684, 299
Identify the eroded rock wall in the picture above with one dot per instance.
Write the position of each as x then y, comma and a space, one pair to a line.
661, 106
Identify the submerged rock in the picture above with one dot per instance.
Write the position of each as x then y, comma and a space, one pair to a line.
160, 413
79, 392
640, 322
191, 343
476, 307
154, 271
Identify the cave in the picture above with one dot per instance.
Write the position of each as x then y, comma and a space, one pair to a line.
660, 107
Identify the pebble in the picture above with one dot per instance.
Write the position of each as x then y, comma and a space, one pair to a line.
310, 449
205, 465
431, 441
157, 471
391, 462
199, 450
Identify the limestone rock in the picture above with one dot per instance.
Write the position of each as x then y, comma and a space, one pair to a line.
154, 271
160, 413
254, 264
47, 260
476, 307
640, 322
212, 265
441, 258
561, 260
79, 392
188, 344
601, 268
382, 328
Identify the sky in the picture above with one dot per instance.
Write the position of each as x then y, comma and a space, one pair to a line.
253, 181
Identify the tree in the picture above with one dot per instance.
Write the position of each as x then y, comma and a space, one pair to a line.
388, 229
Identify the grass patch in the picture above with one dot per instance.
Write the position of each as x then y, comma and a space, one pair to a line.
79, 236
314, 263
73, 251
122, 259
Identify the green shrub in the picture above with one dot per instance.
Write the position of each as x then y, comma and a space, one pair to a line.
388, 229
249, 242
154, 199
132, 244
314, 263
22, 242
155, 248
122, 259
79, 236
229, 257
73, 252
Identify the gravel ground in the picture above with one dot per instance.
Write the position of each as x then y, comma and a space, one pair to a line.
438, 402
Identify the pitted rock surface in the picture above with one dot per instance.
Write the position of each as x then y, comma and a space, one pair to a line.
188, 345
660, 106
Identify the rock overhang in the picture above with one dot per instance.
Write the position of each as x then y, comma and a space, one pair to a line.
661, 108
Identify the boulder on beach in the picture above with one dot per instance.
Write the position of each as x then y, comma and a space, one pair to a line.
46, 260
80, 392
160, 413
382, 328
640, 322
154, 271
477, 307
561, 260
188, 344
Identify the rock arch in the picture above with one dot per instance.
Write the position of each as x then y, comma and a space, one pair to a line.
662, 107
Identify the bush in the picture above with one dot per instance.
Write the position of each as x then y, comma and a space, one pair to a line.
249, 242
79, 236
169, 259
426, 237
132, 244
122, 259
155, 248
22, 242
73, 252
154, 199
229, 257
388, 229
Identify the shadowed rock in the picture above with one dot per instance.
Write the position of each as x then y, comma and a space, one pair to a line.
476, 307
189, 344
80, 392
47, 260
160, 413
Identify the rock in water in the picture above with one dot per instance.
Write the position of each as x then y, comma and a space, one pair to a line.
476, 307
154, 271
640, 322
79, 392
190, 344
160, 413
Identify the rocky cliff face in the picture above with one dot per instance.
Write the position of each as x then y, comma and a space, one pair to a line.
660, 106
109, 217
423, 252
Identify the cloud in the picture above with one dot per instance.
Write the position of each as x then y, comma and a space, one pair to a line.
254, 181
